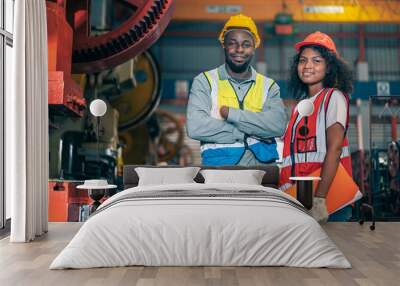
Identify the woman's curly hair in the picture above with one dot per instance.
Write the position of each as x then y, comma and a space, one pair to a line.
339, 75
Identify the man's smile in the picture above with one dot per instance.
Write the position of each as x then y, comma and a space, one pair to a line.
239, 59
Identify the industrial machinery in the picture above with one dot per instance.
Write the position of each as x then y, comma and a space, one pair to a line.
382, 189
134, 90
92, 36
104, 44
165, 133
65, 95
393, 156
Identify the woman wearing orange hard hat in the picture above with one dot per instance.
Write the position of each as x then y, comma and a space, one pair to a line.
316, 144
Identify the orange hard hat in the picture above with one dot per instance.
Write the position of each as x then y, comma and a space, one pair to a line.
319, 39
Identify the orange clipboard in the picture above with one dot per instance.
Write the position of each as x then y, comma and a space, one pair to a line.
343, 190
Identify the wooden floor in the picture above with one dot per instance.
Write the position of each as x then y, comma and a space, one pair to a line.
374, 255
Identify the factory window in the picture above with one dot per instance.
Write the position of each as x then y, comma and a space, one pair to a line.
6, 62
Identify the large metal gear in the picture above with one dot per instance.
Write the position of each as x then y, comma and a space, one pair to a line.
171, 137
142, 23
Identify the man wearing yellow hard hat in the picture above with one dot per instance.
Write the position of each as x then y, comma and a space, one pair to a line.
235, 112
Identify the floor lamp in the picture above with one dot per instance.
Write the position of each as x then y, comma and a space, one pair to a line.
96, 188
304, 188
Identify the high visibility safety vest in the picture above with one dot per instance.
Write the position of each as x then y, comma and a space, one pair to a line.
303, 155
222, 93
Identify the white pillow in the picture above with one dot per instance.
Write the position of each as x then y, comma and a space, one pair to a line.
248, 177
166, 176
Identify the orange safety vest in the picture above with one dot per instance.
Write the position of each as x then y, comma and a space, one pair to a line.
302, 155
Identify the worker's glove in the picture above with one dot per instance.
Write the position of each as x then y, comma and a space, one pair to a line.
319, 211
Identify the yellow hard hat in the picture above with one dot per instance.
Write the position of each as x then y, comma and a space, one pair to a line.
240, 21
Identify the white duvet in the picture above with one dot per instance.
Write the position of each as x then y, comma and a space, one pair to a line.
207, 230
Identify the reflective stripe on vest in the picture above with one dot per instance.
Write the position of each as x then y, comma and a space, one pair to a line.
312, 157
222, 93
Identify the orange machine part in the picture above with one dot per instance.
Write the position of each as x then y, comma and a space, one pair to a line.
65, 200
59, 39
65, 95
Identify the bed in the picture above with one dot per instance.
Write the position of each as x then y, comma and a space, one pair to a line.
201, 224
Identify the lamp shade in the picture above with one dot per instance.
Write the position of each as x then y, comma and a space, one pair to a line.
305, 107
98, 107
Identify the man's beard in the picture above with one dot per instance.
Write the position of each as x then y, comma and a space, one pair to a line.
237, 68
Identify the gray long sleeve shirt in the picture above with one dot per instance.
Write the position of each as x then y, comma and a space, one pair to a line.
270, 122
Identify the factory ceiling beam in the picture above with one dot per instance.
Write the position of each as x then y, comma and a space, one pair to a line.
339, 35
333, 11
